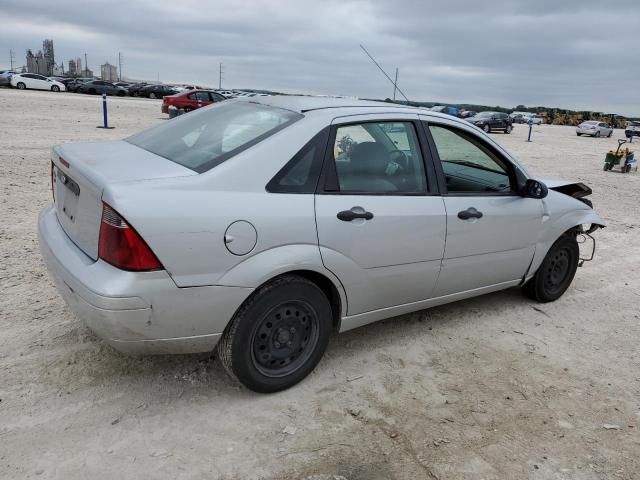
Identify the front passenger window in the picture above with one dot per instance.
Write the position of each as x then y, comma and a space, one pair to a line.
469, 166
379, 158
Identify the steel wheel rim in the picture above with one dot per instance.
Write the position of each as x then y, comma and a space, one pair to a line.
284, 338
557, 271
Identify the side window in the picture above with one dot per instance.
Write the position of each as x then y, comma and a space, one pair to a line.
216, 97
469, 166
380, 157
203, 96
300, 174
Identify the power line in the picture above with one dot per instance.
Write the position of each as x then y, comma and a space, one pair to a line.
384, 73
220, 77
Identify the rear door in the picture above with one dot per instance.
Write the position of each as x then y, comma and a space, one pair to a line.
381, 229
491, 230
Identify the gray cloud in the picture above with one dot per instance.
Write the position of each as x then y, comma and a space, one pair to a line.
574, 54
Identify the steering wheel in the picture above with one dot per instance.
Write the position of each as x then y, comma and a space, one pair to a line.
399, 158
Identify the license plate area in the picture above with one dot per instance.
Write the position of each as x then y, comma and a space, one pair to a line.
69, 193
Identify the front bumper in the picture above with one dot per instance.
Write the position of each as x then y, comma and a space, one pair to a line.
135, 312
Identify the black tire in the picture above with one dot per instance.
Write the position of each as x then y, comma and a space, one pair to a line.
187, 109
597, 133
578, 134
21, 86
121, 93
55, 88
610, 133
486, 128
508, 129
278, 336
152, 95
606, 167
556, 271
92, 91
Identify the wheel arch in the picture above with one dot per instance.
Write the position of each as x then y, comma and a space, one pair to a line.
569, 222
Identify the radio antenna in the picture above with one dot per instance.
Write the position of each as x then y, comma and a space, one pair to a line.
395, 84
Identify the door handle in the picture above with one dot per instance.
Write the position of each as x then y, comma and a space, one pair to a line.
470, 212
348, 215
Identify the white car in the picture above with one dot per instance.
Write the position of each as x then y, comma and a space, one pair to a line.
594, 128
22, 81
259, 226
533, 119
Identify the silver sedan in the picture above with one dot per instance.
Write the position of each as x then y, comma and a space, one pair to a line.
594, 129
259, 226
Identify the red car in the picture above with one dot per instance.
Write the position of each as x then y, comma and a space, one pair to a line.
191, 99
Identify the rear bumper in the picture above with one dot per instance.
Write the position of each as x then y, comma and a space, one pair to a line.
135, 312
586, 131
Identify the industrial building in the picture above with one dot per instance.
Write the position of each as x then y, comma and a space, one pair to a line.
109, 72
42, 62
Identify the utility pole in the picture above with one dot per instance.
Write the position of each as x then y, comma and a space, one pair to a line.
86, 67
120, 66
11, 58
220, 77
395, 85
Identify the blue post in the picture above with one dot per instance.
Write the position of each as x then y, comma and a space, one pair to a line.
104, 110
104, 113
530, 128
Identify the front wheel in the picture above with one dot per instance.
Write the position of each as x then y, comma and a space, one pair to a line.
152, 95
486, 128
578, 134
556, 272
508, 129
21, 86
55, 88
278, 336
610, 133
598, 133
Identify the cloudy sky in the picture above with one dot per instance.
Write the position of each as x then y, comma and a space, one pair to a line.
575, 54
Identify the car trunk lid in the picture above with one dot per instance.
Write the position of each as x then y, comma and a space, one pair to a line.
80, 173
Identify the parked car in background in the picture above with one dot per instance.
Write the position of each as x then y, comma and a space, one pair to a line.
453, 111
533, 119
98, 87
156, 91
75, 83
594, 129
632, 129
235, 228
33, 81
5, 77
490, 121
122, 84
226, 93
466, 113
134, 89
191, 100
518, 117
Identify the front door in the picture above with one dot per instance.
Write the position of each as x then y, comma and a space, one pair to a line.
491, 230
379, 229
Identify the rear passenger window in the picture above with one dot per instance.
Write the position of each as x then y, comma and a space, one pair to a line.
301, 173
380, 157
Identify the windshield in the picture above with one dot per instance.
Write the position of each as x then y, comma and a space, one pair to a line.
207, 137
484, 114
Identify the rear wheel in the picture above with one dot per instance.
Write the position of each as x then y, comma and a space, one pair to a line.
92, 91
121, 93
152, 95
21, 86
486, 128
508, 129
556, 272
610, 133
578, 134
278, 336
597, 133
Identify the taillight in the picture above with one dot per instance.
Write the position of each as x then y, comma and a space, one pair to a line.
53, 181
121, 246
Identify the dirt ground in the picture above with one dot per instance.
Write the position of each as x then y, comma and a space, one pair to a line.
496, 387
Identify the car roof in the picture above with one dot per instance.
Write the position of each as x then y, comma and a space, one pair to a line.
307, 103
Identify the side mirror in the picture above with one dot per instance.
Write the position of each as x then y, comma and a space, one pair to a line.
534, 189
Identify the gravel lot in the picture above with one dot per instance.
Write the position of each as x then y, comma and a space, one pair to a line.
496, 387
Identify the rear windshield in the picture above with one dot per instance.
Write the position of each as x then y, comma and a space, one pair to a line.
207, 137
